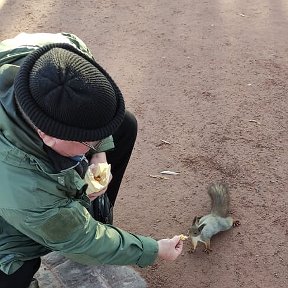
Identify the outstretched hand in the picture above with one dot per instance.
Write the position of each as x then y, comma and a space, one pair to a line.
170, 249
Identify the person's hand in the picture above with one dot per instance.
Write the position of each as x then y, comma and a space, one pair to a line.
96, 159
93, 196
170, 249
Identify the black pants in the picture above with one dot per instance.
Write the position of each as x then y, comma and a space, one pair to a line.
22, 277
124, 140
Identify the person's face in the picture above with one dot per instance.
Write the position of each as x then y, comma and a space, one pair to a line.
67, 148
71, 148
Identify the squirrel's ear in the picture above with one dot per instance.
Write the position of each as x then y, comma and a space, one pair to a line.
200, 228
194, 220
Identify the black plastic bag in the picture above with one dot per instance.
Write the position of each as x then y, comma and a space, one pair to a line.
102, 209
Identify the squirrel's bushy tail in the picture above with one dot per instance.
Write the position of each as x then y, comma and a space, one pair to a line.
220, 199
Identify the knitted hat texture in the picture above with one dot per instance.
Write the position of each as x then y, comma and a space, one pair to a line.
68, 95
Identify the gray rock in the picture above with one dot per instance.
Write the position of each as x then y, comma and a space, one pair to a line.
57, 271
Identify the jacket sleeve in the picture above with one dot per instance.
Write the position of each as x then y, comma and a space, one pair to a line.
72, 231
105, 145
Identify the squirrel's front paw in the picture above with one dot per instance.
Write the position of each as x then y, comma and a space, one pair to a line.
236, 223
191, 250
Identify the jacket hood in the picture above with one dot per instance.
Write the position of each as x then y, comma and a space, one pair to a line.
13, 127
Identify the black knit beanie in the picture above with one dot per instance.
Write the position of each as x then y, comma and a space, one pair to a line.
68, 95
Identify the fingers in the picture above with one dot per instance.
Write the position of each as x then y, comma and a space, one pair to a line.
178, 243
179, 246
170, 249
176, 238
93, 196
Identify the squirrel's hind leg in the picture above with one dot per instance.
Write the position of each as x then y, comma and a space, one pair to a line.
207, 249
236, 223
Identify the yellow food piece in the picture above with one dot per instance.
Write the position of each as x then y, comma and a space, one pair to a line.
97, 177
183, 237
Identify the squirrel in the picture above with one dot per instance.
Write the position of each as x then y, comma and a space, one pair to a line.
204, 227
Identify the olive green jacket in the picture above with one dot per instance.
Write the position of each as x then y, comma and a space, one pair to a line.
39, 211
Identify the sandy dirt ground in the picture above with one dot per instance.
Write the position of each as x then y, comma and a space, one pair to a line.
210, 78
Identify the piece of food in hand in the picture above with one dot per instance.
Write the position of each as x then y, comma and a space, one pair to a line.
97, 177
183, 237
